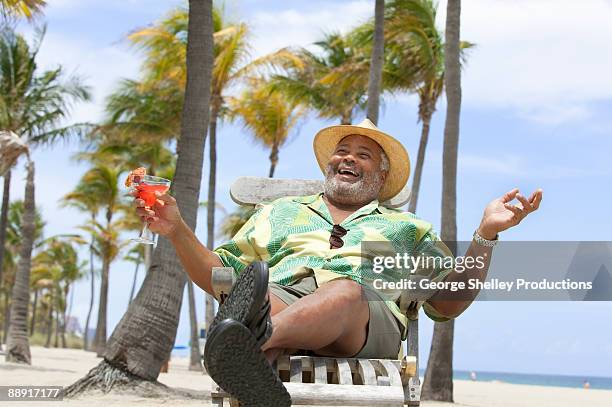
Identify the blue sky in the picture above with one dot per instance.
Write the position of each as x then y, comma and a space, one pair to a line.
535, 114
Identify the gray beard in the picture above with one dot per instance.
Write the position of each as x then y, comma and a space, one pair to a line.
364, 190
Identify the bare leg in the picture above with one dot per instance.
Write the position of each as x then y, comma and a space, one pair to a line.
277, 305
333, 321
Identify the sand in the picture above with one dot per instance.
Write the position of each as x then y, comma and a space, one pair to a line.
62, 367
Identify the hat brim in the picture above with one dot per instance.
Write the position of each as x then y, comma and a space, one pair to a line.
327, 139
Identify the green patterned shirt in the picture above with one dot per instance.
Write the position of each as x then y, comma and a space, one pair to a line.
292, 235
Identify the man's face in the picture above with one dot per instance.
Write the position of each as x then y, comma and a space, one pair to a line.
354, 170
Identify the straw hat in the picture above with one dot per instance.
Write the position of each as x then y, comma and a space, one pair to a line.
326, 140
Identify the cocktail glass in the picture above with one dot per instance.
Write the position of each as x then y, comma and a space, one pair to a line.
147, 186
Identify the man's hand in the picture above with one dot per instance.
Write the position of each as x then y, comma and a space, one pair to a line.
163, 218
500, 214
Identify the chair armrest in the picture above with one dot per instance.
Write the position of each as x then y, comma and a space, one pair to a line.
409, 304
222, 280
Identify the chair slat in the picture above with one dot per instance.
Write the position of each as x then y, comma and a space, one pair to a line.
282, 363
342, 395
367, 373
295, 374
392, 373
344, 372
320, 370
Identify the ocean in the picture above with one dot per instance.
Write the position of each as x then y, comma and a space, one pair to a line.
596, 382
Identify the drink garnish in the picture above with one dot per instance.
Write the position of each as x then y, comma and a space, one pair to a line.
135, 175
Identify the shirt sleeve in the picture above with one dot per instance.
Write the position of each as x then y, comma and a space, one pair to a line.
440, 263
239, 251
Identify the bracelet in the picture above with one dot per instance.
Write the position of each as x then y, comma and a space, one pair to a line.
485, 242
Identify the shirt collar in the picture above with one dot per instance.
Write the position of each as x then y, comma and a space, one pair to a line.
316, 203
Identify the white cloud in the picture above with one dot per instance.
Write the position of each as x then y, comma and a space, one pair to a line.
546, 59
521, 166
277, 29
100, 67
502, 165
64, 6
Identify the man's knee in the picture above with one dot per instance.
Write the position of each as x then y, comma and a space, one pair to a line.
344, 291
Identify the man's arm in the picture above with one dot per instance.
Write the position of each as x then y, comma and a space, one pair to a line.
498, 216
165, 219
451, 304
197, 259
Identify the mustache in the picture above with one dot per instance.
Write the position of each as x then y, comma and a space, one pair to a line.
346, 166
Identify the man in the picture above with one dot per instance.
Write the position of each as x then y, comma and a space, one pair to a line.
302, 284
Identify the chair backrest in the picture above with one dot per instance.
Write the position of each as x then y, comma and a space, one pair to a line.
253, 190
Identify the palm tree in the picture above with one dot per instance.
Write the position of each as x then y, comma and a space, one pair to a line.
376, 64
59, 263
412, 33
38, 282
331, 82
10, 10
235, 220
101, 183
31, 105
18, 347
268, 114
143, 339
3, 225
13, 243
83, 199
165, 47
21, 8
144, 111
231, 51
416, 65
438, 382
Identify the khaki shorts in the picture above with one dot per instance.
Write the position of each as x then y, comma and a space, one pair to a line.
384, 330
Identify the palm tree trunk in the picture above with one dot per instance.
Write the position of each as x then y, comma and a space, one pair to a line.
438, 382
57, 328
376, 63
143, 339
64, 319
420, 161
212, 174
92, 293
273, 159
134, 282
7, 315
210, 207
4, 218
346, 118
100, 341
195, 358
34, 304
3, 226
50, 319
18, 345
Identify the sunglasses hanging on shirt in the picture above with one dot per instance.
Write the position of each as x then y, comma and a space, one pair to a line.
335, 240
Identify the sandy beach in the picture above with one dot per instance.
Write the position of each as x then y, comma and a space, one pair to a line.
64, 366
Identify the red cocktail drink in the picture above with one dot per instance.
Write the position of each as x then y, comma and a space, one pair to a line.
147, 187
146, 192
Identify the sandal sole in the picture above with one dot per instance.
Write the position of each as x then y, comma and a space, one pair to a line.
237, 364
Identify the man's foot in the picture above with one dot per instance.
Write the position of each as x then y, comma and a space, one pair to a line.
235, 362
248, 302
